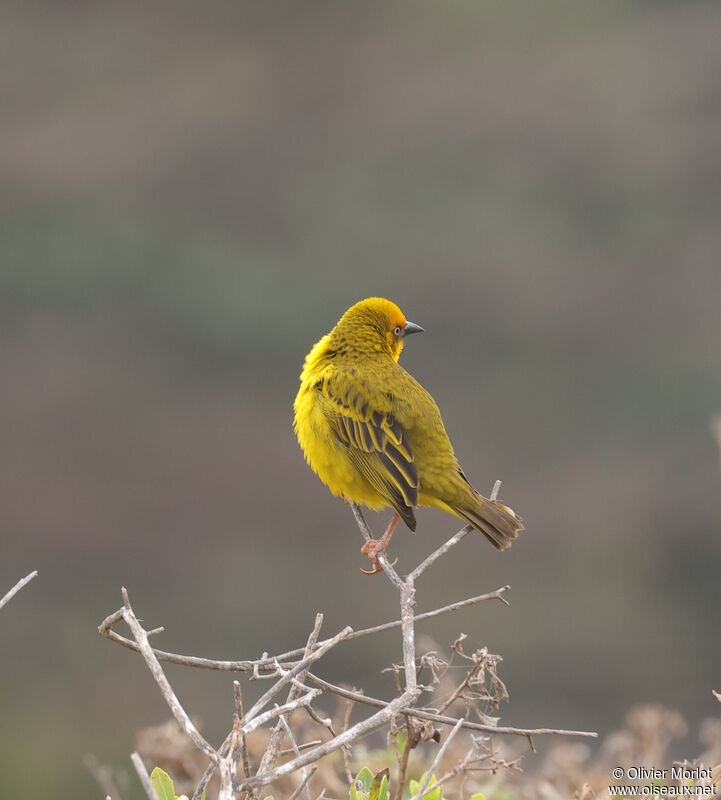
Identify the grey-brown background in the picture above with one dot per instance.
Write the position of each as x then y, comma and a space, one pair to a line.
192, 194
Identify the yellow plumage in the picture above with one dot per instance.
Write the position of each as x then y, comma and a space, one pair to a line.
374, 435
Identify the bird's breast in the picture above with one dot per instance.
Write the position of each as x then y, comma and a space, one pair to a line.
325, 454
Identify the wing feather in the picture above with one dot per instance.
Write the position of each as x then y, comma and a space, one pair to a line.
362, 420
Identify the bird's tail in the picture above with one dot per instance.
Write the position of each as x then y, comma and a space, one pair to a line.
498, 523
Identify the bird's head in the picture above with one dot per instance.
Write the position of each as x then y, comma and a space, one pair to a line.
375, 325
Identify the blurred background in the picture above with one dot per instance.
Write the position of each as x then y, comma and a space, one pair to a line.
190, 197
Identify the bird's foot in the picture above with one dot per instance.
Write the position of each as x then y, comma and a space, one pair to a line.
371, 549
375, 546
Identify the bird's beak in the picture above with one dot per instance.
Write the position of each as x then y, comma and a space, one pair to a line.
411, 327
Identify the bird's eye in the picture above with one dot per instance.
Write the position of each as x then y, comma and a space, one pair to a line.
397, 330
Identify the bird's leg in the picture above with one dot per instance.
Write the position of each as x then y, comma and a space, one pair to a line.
374, 546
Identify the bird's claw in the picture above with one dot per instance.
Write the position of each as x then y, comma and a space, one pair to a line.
376, 568
371, 549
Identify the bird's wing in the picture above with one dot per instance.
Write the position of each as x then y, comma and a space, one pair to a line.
378, 447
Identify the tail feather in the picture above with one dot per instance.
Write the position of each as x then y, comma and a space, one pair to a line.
498, 523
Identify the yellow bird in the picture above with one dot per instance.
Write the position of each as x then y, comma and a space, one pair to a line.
375, 436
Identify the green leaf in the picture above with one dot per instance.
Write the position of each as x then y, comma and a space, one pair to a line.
379, 787
477, 796
163, 784
361, 785
436, 794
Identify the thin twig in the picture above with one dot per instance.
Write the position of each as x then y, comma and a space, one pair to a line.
304, 784
439, 755
346, 750
294, 745
103, 775
210, 771
434, 717
286, 708
324, 722
143, 775
141, 637
411, 742
234, 756
452, 542
300, 667
441, 551
286, 751
475, 668
18, 586
271, 751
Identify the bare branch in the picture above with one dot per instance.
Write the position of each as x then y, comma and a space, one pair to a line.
18, 586
452, 542
268, 662
441, 551
433, 717
226, 779
141, 637
238, 698
144, 777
